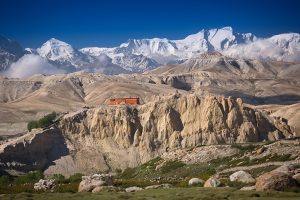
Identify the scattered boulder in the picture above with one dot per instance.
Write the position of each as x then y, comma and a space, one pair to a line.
287, 169
297, 171
261, 150
133, 189
297, 177
161, 186
248, 188
278, 179
88, 183
195, 181
106, 188
242, 176
45, 185
212, 182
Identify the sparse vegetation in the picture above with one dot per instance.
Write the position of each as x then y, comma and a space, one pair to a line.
234, 184
25, 183
171, 165
30, 177
244, 147
67, 187
173, 172
43, 122
75, 178
4, 180
162, 194
59, 178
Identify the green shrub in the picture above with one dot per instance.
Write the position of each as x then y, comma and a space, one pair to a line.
133, 182
75, 178
4, 180
30, 177
128, 173
13, 189
69, 187
234, 184
32, 124
244, 147
171, 165
43, 122
59, 178
47, 120
118, 171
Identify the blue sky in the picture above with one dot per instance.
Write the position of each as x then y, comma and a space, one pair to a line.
85, 23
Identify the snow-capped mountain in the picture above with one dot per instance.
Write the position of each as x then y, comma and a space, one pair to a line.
129, 61
10, 51
156, 51
214, 40
204, 41
139, 55
64, 56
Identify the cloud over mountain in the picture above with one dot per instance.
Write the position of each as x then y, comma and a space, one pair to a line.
29, 65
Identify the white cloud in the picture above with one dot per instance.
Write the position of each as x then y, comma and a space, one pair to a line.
29, 65
262, 49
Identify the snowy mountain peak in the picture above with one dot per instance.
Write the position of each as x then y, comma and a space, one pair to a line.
55, 49
286, 40
54, 41
229, 28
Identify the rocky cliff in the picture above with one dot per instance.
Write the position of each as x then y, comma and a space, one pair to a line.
111, 137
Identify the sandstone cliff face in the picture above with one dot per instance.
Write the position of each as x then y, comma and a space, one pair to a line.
34, 151
122, 136
111, 137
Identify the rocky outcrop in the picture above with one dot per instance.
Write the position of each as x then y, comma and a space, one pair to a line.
116, 137
36, 150
89, 183
242, 176
45, 185
123, 136
278, 179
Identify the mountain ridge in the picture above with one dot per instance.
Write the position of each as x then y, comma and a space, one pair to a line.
140, 55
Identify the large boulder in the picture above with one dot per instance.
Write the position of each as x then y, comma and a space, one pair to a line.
45, 185
287, 169
242, 176
212, 182
195, 181
106, 188
248, 188
297, 177
277, 179
161, 186
88, 183
133, 189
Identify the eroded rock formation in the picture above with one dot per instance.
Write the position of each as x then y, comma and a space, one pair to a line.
111, 137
